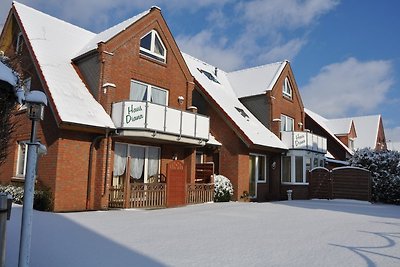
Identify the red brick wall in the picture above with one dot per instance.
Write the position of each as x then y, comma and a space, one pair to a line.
282, 105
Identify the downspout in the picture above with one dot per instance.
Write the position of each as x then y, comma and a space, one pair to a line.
107, 161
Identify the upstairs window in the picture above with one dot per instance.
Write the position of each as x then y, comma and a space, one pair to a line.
19, 43
287, 88
146, 92
287, 123
152, 46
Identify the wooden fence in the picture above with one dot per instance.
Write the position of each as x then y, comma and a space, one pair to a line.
199, 193
142, 195
342, 182
204, 172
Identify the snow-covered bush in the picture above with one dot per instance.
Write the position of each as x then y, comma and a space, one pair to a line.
385, 172
42, 198
223, 189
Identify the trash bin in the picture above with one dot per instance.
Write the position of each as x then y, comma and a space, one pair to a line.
289, 194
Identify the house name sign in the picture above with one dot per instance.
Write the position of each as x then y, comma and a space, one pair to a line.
299, 140
134, 115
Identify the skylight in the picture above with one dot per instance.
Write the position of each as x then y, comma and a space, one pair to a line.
243, 113
209, 76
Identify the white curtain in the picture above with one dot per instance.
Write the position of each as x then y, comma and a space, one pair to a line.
153, 159
158, 96
137, 161
120, 153
138, 91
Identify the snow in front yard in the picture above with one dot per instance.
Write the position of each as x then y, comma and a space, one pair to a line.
290, 233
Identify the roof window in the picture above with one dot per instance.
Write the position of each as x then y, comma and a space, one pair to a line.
209, 76
243, 113
152, 46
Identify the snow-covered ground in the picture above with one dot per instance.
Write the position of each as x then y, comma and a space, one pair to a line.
290, 233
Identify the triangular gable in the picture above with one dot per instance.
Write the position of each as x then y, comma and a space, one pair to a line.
220, 93
257, 80
367, 128
49, 42
110, 33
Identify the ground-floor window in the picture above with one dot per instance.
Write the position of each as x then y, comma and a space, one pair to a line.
296, 163
140, 162
258, 172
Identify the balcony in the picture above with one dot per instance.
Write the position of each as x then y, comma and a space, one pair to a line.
304, 140
152, 121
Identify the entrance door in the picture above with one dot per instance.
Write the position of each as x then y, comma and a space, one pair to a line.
258, 173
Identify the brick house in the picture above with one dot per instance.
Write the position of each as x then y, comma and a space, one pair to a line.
118, 109
271, 93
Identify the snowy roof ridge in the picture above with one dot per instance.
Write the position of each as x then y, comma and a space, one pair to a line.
19, 5
322, 122
50, 40
256, 80
109, 33
226, 100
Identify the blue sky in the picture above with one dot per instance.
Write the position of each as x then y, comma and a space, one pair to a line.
345, 54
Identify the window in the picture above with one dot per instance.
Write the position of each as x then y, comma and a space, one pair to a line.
242, 112
27, 84
19, 43
145, 92
287, 123
199, 157
258, 172
21, 160
209, 76
152, 46
143, 162
286, 169
299, 169
351, 143
287, 88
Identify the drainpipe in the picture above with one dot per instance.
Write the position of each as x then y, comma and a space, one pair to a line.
107, 162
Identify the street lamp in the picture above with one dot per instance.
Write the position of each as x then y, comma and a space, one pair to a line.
35, 101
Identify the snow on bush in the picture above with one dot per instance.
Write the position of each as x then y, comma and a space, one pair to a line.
385, 172
223, 189
42, 198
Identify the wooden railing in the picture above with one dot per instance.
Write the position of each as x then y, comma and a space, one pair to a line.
199, 193
116, 197
148, 195
204, 172
142, 195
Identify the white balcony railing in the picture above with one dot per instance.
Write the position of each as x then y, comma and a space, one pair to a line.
304, 140
159, 119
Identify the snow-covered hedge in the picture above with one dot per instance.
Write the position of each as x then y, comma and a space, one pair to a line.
42, 198
223, 189
385, 172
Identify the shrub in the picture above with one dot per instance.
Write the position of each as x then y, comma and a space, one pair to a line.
223, 189
385, 172
41, 200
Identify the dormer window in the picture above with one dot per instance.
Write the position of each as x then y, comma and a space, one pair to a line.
287, 88
152, 46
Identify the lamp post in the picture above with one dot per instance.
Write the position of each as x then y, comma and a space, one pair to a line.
35, 100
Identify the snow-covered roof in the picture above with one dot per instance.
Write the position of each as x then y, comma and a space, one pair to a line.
339, 126
7, 75
222, 93
367, 128
256, 81
322, 122
55, 43
110, 33
212, 141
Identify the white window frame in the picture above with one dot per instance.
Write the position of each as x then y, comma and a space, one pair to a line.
319, 158
284, 123
287, 88
149, 91
351, 143
25, 144
154, 55
19, 43
257, 156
